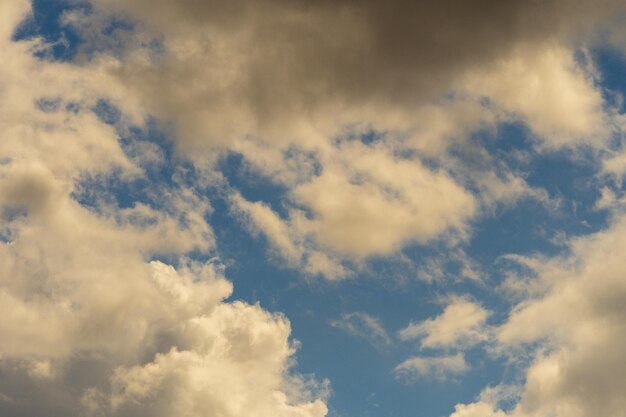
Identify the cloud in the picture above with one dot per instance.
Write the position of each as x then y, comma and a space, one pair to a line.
462, 323
549, 91
236, 367
280, 70
480, 409
367, 202
439, 367
91, 324
272, 79
572, 325
364, 326
287, 240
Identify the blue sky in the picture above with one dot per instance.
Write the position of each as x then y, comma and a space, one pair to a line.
362, 203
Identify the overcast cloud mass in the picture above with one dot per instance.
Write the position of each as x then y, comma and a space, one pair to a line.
312, 208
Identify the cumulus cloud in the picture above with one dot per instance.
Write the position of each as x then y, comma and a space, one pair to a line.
369, 202
91, 324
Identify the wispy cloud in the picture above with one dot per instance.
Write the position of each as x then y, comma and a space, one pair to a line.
364, 326
439, 367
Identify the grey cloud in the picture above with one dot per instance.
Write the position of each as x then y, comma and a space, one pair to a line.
259, 64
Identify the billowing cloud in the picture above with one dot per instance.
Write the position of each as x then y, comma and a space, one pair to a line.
91, 324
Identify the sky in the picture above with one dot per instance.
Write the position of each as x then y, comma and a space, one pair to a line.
282, 208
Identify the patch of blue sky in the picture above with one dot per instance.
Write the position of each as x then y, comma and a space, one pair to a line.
63, 39
45, 23
611, 63
331, 353
361, 374
162, 169
251, 184
570, 177
388, 288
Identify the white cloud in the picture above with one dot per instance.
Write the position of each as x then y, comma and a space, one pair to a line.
369, 202
235, 367
462, 323
366, 202
287, 240
479, 409
439, 367
549, 91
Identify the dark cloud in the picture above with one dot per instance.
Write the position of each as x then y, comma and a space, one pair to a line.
289, 59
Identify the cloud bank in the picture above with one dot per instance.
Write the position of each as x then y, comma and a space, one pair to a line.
91, 324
